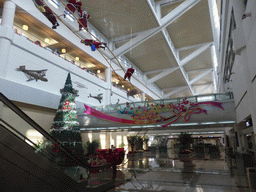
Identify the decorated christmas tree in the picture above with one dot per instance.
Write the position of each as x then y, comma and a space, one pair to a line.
65, 127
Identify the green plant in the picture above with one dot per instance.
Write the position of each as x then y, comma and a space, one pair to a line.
185, 140
121, 145
91, 147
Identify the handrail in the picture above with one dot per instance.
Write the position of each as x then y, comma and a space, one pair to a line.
31, 122
159, 101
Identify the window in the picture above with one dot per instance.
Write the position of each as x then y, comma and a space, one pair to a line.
230, 53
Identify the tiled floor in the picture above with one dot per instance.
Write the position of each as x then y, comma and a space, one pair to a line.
162, 173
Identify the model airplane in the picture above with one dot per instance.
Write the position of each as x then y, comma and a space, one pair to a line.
98, 97
33, 74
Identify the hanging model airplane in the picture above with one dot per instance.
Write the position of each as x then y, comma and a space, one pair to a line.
33, 74
98, 97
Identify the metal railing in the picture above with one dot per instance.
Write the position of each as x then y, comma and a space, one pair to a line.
199, 98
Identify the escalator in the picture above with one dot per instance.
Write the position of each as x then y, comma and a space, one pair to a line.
27, 165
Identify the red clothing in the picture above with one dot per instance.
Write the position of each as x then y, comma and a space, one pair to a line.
129, 73
49, 15
73, 6
83, 21
88, 42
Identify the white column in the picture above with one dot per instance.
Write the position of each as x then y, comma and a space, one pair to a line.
6, 35
143, 96
109, 85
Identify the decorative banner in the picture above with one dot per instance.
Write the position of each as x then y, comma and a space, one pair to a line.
151, 114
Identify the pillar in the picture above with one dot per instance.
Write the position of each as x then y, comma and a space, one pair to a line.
143, 96
109, 85
6, 35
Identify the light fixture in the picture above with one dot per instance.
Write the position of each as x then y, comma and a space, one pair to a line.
123, 86
128, 89
98, 71
77, 58
46, 40
63, 50
25, 27
116, 82
89, 66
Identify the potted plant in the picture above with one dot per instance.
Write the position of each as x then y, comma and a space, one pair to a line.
91, 147
132, 140
186, 154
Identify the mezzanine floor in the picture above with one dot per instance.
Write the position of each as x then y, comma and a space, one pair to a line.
159, 172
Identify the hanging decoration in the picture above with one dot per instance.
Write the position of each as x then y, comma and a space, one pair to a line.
150, 114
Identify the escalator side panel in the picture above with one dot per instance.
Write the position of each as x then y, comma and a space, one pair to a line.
22, 157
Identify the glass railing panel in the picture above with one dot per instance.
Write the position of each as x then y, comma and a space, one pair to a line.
193, 99
225, 96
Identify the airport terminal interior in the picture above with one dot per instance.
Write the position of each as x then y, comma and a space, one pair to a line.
127, 95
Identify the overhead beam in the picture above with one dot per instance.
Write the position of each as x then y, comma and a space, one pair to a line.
129, 36
204, 89
205, 84
199, 70
167, 20
192, 46
168, 39
167, 89
175, 92
162, 75
195, 54
163, 3
200, 76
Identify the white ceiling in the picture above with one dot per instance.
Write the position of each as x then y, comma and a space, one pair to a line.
171, 35
169, 41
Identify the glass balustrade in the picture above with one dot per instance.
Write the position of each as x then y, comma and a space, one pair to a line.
192, 99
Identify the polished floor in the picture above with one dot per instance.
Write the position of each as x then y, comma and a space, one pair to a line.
162, 172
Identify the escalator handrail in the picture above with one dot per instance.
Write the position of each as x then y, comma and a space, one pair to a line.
31, 122
18, 132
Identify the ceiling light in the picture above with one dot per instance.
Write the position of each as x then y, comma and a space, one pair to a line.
77, 58
128, 89
89, 65
46, 40
98, 71
63, 50
25, 27
123, 86
116, 82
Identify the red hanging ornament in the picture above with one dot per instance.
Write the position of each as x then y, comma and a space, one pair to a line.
69, 108
59, 115
76, 116
70, 116
69, 127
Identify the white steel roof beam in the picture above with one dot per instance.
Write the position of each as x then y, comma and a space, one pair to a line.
163, 3
204, 89
162, 75
175, 91
167, 20
205, 84
200, 76
192, 46
194, 54
169, 41
199, 70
